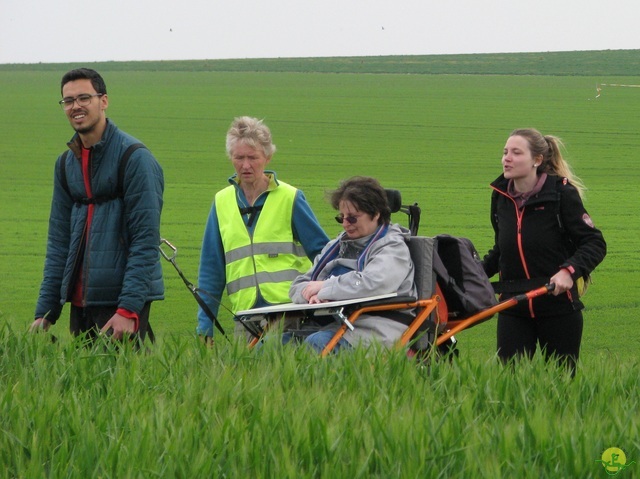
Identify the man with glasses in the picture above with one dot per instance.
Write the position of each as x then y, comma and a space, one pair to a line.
104, 228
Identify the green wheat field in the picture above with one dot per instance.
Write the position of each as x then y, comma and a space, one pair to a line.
432, 127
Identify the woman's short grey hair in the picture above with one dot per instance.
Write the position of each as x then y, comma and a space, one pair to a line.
252, 132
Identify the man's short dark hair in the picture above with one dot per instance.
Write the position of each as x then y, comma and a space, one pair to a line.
85, 74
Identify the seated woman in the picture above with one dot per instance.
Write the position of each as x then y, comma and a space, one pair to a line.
369, 258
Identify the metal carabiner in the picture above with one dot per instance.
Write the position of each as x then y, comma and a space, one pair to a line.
174, 250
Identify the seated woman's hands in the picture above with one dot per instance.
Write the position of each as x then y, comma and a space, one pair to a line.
311, 290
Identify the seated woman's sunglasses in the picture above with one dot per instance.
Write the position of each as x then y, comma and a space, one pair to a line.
352, 220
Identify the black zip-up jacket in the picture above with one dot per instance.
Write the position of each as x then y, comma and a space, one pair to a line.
551, 231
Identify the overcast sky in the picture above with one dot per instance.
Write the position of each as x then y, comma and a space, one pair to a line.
34, 31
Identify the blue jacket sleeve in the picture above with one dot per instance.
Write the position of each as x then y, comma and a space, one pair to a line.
306, 227
143, 200
211, 274
58, 238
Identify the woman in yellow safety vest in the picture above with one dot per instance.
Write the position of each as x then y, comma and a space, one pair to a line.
261, 233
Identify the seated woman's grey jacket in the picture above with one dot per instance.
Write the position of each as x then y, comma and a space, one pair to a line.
375, 267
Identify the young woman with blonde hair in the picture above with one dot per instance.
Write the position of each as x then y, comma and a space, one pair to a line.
543, 234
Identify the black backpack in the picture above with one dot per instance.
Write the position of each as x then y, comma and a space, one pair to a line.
461, 277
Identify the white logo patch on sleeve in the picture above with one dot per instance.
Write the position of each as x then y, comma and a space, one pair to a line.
587, 219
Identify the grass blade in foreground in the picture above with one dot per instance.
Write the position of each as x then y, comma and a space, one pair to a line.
186, 410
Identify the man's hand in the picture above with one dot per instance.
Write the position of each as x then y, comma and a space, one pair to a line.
39, 324
120, 326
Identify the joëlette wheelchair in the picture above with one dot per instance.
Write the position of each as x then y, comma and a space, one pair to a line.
435, 323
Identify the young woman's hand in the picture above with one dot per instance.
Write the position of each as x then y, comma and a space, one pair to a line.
563, 281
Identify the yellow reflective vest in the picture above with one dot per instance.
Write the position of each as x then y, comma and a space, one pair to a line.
266, 263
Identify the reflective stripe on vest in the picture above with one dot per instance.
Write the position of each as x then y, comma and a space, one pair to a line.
267, 263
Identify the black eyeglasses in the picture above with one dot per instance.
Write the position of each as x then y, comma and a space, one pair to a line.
352, 220
81, 100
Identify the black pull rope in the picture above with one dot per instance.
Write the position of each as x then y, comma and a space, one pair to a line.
195, 292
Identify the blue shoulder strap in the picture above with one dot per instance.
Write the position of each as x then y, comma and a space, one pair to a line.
332, 253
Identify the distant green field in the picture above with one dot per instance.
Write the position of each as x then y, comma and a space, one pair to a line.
437, 137
584, 63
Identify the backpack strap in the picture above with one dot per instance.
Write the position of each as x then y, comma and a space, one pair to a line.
63, 172
122, 165
442, 273
252, 211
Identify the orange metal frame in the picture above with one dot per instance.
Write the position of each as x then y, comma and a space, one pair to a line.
425, 307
